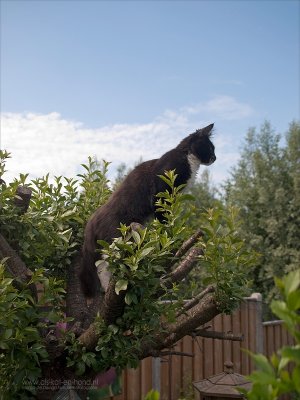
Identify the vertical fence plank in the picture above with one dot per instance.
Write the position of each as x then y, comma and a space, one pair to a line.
125, 383
218, 345
134, 384
165, 378
187, 364
227, 344
197, 363
245, 330
208, 365
270, 345
198, 359
176, 369
236, 346
277, 337
146, 376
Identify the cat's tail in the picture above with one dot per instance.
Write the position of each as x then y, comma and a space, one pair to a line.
88, 274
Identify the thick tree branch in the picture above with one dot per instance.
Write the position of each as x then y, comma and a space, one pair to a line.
90, 337
76, 305
185, 324
191, 303
113, 304
183, 268
15, 266
112, 308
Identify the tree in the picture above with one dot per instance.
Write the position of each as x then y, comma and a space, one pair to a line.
47, 331
265, 186
205, 192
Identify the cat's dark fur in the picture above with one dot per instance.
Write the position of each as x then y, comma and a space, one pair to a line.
134, 200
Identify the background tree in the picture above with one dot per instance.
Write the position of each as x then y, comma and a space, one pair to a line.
47, 331
265, 186
205, 192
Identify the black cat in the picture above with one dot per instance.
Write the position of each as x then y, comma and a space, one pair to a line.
134, 200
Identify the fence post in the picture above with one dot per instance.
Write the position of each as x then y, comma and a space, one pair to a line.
259, 342
156, 361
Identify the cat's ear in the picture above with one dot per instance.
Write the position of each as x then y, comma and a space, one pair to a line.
207, 130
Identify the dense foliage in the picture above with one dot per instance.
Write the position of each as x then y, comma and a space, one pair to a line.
22, 320
50, 232
265, 186
48, 236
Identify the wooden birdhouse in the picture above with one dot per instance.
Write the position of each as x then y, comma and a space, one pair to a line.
223, 386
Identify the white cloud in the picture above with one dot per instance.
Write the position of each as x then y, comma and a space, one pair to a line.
49, 143
223, 107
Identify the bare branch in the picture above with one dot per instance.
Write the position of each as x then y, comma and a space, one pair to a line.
189, 243
22, 198
218, 335
171, 353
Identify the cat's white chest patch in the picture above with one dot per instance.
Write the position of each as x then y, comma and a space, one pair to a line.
194, 164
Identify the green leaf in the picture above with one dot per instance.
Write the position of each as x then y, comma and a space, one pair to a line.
4, 346
136, 237
146, 251
114, 329
166, 179
283, 363
292, 353
275, 360
296, 378
80, 368
121, 285
68, 213
280, 309
186, 197
292, 281
263, 364
53, 317
152, 395
293, 300
128, 298
104, 352
262, 377
103, 244
124, 247
8, 333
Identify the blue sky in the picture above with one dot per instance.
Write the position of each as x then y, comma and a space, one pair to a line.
128, 79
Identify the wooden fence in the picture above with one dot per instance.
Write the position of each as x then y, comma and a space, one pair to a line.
172, 376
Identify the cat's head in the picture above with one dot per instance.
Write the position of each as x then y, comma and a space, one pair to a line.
200, 145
